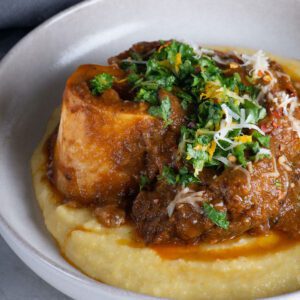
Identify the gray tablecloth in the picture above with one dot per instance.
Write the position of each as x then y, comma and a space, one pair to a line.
17, 18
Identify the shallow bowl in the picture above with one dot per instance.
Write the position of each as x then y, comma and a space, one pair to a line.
32, 78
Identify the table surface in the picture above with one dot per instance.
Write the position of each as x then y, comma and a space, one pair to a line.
18, 282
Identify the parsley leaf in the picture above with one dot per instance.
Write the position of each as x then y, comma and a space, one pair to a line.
100, 83
239, 153
254, 111
169, 175
217, 217
198, 158
166, 111
186, 99
186, 178
183, 177
163, 111
264, 140
149, 96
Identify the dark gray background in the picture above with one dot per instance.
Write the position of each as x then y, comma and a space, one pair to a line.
17, 18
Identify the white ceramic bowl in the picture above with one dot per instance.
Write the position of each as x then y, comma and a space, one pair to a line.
32, 78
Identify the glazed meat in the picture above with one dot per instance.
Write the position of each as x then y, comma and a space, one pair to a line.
105, 143
96, 140
191, 145
250, 197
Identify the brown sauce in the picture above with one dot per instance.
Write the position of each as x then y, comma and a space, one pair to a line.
255, 247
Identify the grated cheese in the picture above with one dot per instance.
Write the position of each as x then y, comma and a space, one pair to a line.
227, 125
259, 62
228, 111
285, 101
186, 195
233, 95
265, 90
222, 61
263, 151
288, 105
202, 51
223, 160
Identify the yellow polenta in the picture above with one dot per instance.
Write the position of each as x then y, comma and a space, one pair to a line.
102, 253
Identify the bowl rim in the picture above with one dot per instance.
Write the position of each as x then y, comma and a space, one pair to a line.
7, 230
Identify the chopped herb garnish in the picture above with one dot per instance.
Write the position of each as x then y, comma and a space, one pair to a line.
169, 175
185, 177
144, 180
182, 177
239, 153
222, 108
163, 111
217, 217
264, 140
100, 83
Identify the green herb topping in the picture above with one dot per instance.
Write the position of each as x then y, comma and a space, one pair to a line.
100, 83
221, 104
183, 177
217, 217
162, 111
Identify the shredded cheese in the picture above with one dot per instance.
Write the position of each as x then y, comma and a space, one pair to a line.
285, 101
227, 125
186, 195
222, 61
288, 105
229, 112
213, 89
262, 151
203, 51
233, 95
223, 160
259, 62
